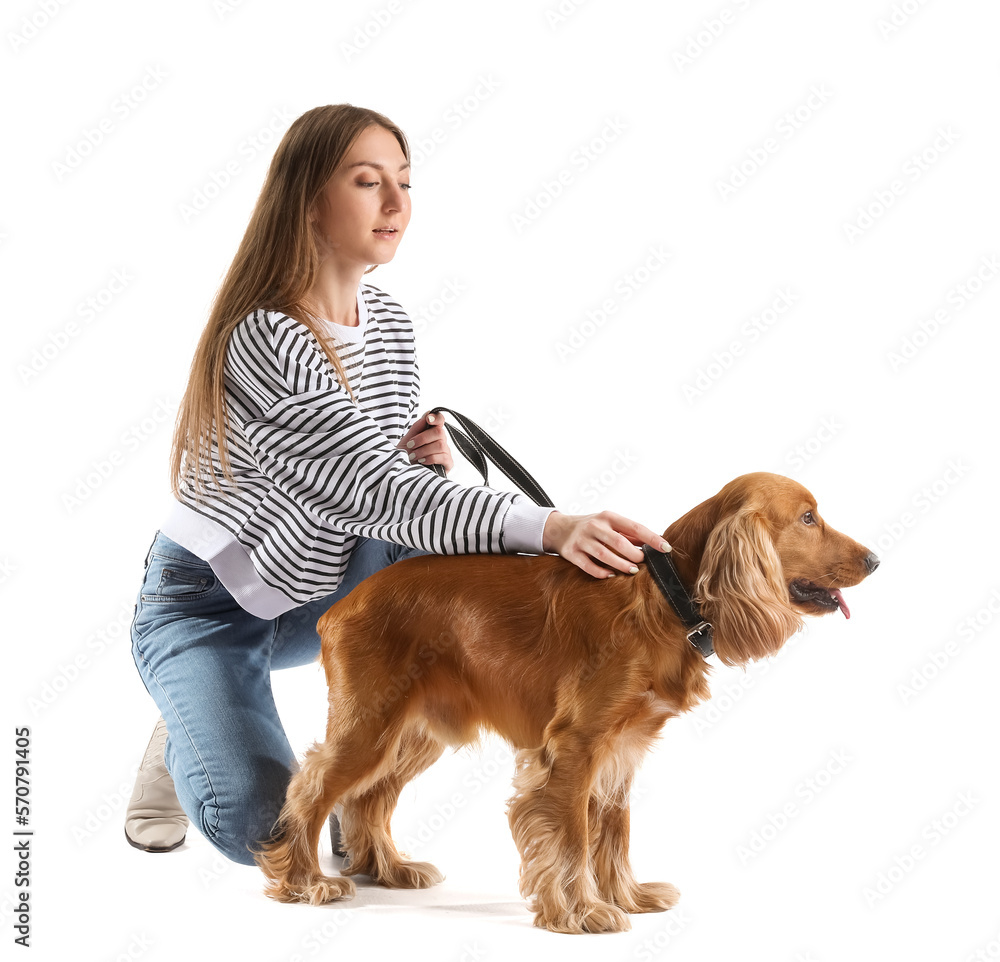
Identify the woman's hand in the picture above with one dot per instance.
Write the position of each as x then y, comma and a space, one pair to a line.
601, 544
427, 442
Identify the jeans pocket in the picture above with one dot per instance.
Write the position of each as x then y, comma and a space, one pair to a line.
177, 581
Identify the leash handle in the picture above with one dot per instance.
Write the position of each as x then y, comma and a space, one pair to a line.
478, 448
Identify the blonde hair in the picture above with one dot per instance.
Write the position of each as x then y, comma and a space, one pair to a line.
275, 268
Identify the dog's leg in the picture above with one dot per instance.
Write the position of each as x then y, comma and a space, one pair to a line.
609, 841
357, 751
366, 820
549, 821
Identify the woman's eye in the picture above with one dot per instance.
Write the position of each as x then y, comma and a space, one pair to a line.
371, 183
405, 186
808, 518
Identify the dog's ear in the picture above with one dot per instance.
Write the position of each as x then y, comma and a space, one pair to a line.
742, 591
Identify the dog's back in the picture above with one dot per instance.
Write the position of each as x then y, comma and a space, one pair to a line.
480, 641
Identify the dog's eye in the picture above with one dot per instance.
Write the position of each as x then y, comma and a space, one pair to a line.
808, 518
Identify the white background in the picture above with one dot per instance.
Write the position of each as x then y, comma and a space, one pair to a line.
499, 101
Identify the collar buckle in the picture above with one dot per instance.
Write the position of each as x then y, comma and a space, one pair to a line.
701, 637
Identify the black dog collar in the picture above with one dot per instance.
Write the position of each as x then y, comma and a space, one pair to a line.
661, 567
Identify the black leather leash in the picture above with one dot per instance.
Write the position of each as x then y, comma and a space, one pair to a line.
478, 448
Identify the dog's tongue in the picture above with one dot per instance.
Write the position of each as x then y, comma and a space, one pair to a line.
839, 598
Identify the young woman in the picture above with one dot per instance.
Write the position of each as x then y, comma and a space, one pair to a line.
299, 467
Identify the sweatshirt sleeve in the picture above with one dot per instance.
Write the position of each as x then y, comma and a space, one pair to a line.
313, 443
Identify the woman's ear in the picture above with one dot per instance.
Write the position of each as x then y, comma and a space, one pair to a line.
742, 590
314, 216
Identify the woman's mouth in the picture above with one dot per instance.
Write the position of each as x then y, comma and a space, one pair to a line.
385, 231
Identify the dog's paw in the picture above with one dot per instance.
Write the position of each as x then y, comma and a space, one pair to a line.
316, 891
596, 917
329, 888
651, 897
605, 917
411, 875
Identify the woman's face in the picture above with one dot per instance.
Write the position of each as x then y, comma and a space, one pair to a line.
365, 207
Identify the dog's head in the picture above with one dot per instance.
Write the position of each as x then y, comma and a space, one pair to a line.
767, 558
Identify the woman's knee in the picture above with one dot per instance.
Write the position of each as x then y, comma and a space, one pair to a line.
239, 819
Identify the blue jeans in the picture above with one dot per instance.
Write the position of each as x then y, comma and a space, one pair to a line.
207, 663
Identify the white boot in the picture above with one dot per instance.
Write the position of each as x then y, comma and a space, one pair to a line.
154, 819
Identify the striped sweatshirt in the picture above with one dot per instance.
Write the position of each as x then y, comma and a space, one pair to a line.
314, 470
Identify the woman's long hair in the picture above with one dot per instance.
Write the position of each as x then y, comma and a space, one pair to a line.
274, 268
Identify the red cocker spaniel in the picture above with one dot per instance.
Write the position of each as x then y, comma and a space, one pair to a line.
578, 674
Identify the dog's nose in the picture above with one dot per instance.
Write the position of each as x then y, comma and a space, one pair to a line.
871, 562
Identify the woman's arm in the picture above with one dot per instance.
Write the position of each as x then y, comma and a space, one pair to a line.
600, 543
321, 451
310, 439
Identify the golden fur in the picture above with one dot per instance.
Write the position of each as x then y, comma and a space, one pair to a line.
578, 674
